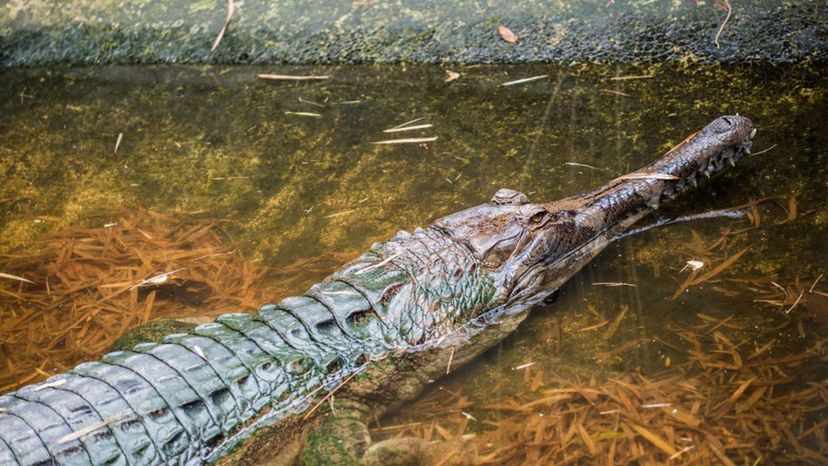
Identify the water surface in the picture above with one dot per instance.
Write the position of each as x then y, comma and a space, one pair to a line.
290, 172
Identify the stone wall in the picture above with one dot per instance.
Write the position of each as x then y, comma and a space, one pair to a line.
48, 32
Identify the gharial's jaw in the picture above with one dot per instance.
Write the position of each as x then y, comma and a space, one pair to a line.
532, 249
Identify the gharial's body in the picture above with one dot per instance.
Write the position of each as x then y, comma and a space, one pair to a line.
375, 332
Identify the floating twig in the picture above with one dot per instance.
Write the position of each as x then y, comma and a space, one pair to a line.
726, 3
680, 452
156, 280
15, 277
378, 264
593, 327
43, 386
118, 142
288, 77
304, 114
23, 94
631, 77
200, 352
406, 141
764, 150
524, 80
656, 405
811, 289
339, 214
409, 122
407, 128
310, 102
613, 91
90, 428
576, 164
795, 303
231, 8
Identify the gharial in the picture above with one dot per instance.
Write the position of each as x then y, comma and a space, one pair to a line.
376, 332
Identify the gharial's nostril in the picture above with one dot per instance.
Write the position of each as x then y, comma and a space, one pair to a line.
727, 120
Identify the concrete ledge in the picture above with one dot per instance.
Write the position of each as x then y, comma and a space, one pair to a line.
48, 32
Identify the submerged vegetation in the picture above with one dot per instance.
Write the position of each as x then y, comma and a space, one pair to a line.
734, 400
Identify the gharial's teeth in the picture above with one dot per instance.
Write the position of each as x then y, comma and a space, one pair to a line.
693, 181
731, 162
747, 150
706, 173
752, 133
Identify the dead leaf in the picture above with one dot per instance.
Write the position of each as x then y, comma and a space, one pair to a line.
507, 35
654, 439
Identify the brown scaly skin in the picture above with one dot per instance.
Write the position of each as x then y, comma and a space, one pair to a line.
306, 376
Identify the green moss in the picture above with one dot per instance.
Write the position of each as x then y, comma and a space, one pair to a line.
324, 448
154, 331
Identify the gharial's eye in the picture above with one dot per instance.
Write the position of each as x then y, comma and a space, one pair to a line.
538, 217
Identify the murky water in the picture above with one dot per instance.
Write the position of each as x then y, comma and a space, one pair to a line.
290, 171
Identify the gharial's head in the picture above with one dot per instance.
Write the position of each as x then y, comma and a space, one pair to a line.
532, 248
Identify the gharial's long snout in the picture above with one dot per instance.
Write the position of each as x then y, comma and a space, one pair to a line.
574, 230
717, 146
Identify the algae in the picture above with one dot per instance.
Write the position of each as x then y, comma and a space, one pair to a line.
151, 332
